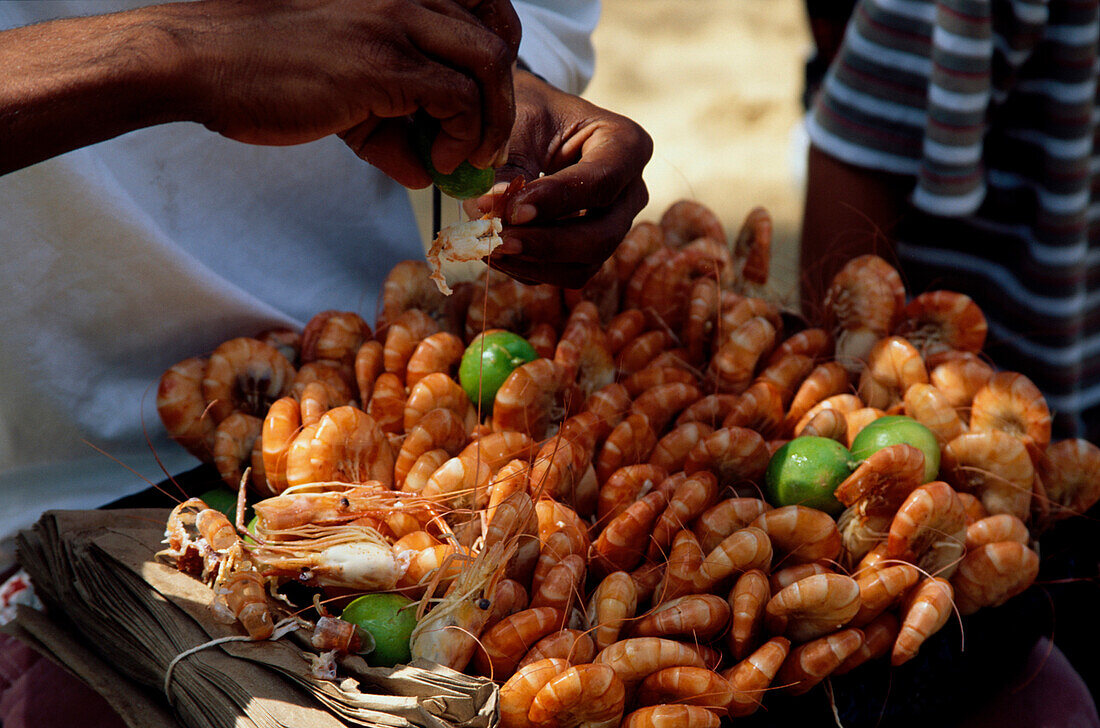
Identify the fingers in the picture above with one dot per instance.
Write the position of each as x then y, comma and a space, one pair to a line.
385, 144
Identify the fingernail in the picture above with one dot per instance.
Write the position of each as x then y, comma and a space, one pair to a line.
522, 214
510, 246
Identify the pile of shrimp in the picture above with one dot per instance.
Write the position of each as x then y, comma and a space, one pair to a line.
599, 544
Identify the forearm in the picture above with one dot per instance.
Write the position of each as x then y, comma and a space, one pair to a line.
69, 83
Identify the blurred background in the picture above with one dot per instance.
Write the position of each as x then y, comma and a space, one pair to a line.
717, 84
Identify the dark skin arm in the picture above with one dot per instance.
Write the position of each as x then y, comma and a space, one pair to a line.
267, 72
562, 226
850, 211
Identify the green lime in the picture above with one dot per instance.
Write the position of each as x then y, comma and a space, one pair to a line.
466, 181
806, 471
488, 361
389, 619
895, 429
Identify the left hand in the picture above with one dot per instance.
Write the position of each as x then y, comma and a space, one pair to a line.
562, 226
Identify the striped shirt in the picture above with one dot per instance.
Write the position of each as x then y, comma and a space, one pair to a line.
990, 106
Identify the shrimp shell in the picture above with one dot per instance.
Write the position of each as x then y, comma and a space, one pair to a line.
366, 368
990, 575
736, 455
924, 613
1070, 479
881, 588
246, 374
678, 576
437, 390
751, 677
438, 429
759, 408
810, 663
813, 607
438, 352
532, 400
959, 379
243, 596
626, 485
733, 365
622, 543
504, 644
334, 336
939, 323
683, 685
347, 445
710, 410
893, 365
635, 658
720, 520
800, 534
234, 438
668, 715
878, 640
519, 691
182, 407
743, 550
698, 617
631, 442
884, 480
1011, 402
747, 600
929, 529
929, 406
588, 695
826, 382
993, 465
992, 529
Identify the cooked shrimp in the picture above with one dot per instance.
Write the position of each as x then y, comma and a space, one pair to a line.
1011, 402
678, 575
685, 220
809, 664
438, 429
759, 408
743, 550
671, 451
893, 365
639, 352
504, 644
624, 486
938, 323
660, 716
245, 374
993, 529
682, 685
234, 438
687, 500
737, 455
697, 617
590, 695
990, 575
751, 677
710, 410
753, 246
1070, 470
929, 406
584, 357
346, 445
532, 400
747, 599
334, 336
866, 295
884, 480
635, 658
241, 596
437, 390
514, 306
408, 286
994, 466
366, 368
878, 640
787, 374
929, 530
925, 612
437, 352
623, 542
632, 441
813, 607
733, 365
881, 588
800, 534
814, 343
613, 602
624, 327
351, 556
725, 517
782, 578
662, 402
825, 383
519, 691
562, 585
959, 379
182, 407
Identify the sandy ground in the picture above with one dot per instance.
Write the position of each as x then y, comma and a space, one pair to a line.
716, 83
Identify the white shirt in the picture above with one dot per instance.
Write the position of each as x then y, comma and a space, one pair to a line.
127, 256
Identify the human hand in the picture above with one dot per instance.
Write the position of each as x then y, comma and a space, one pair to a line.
562, 226
291, 72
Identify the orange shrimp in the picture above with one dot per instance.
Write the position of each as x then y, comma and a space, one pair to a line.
533, 399
679, 575
862, 304
662, 402
826, 381
743, 550
685, 220
828, 423
759, 408
1011, 402
753, 244
747, 600
702, 325
737, 455
624, 327
583, 354
929, 529
630, 442
925, 612
509, 304
893, 365
408, 286
930, 407
182, 407
993, 465
725, 517
623, 542
234, 438
334, 336
992, 529
878, 640
614, 601
881, 588
582, 695
733, 365
634, 658
437, 390
782, 578
810, 663
787, 374
624, 486
561, 586
671, 451
366, 368
519, 691
403, 335
990, 575
751, 677
959, 379
800, 534
942, 322
504, 644
697, 617
682, 685
438, 352
242, 596
814, 343
347, 444
387, 403
675, 714
349, 556
438, 429
641, 240
1069, 471
884, 479
813, 607
711, 410
287, 341
687, 500
609, 404
639, 352
245, 374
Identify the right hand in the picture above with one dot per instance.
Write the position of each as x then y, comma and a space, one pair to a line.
279, 73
